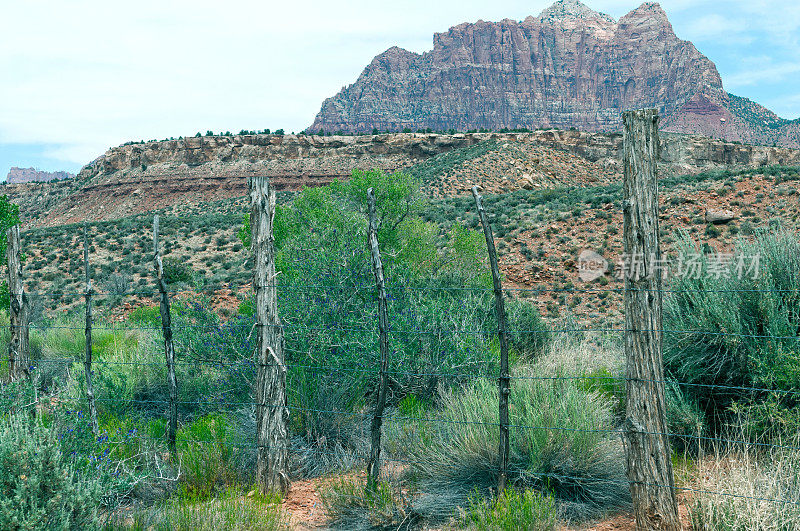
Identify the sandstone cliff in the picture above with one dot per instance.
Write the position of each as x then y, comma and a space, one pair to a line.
568, 67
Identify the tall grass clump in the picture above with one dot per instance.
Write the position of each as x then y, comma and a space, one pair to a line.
561, 443
352, 503
736, 326
231, 510
745, 490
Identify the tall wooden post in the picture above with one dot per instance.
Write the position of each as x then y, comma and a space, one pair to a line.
272, 413
18, 356
502, 335
87, 361
169, 350
647, 445
373, 464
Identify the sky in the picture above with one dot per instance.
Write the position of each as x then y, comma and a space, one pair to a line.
82, 76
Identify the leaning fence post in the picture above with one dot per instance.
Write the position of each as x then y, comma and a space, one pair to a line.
271, 409
373, 464
87, 362
647, 444
502, 334
166, 326
18, 357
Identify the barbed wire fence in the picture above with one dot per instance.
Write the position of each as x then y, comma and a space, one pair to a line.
267, 365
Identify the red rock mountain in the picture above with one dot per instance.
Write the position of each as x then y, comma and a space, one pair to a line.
568, 67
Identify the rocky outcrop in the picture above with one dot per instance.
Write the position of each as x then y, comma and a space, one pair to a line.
297, 160
32, 175
568, 67
136, 178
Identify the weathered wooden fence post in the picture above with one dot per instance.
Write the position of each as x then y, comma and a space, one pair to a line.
502, 334
87, 362
373, 464
18, 356
271, 409
647, 443
169, 349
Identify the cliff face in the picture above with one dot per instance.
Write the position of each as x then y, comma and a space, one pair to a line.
32, 175
568, 67
139, 178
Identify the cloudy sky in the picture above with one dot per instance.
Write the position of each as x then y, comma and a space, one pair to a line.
81, 76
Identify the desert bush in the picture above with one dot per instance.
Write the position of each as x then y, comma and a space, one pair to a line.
353, 504
733, 329
558, 444
511, 511
39, 485
118, 284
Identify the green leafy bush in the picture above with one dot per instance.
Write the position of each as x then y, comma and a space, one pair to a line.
177, 271
328, 298
39, 486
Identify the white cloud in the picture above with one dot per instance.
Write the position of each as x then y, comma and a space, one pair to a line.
89, 74
761, 71
717, 27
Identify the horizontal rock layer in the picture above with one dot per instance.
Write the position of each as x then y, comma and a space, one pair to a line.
138, 178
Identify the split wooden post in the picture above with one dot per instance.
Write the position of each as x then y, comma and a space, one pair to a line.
502, 334
18, 354
373, 464
169, 349
87, 361
647, 446
272, 414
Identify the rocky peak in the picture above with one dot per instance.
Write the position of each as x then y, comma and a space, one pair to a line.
569, 67
650, 14
571, 10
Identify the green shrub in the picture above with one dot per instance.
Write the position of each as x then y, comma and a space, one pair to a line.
177, 271
774, 417
729, 329
512, 511
529, 334
685, 419
564, 448
438, 326
39, 486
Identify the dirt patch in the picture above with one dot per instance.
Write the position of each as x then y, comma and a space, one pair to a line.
304, 505
626, 521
